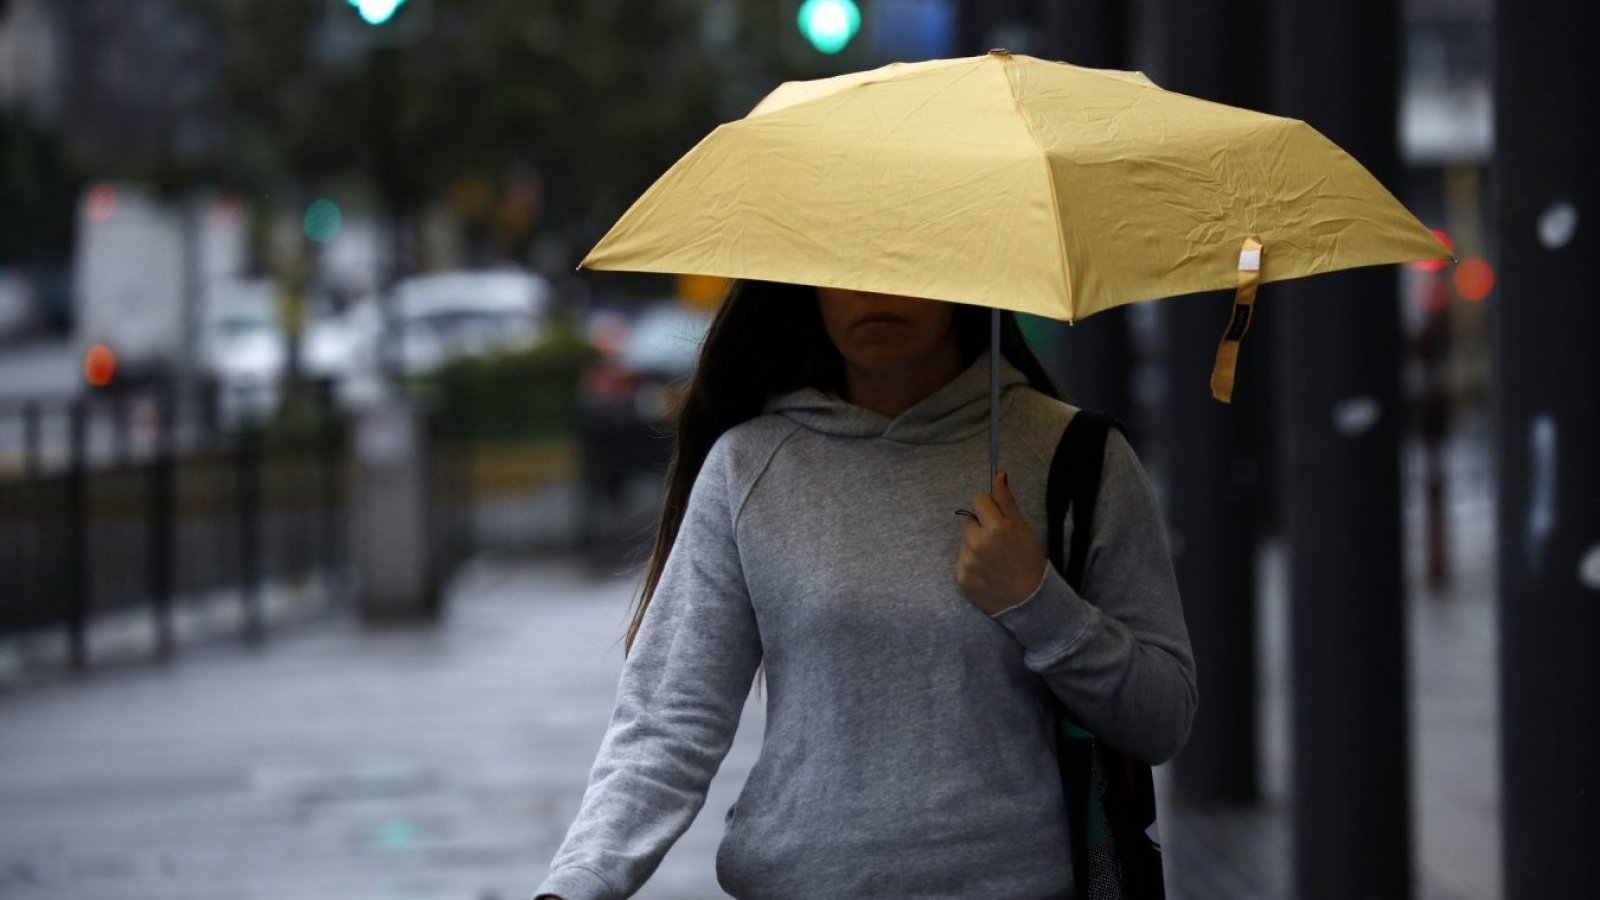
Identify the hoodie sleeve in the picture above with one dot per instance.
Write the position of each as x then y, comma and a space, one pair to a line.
1121, 663
678, 703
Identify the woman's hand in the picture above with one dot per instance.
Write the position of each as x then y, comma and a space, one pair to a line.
1001, 562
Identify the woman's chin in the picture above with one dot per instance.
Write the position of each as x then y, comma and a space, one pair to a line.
886, 355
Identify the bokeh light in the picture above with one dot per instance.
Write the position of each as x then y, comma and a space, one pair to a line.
322, 220
377, 12
101, 204
829, 24
703, 291
99, 365
1474, 279
1434, 265
227, 210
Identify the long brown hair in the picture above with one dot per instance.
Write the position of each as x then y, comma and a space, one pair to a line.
766, 339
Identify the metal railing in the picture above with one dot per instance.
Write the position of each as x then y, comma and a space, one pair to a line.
142, 500
146, 504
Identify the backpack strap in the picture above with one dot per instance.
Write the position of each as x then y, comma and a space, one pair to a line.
1074, 483
1110, 797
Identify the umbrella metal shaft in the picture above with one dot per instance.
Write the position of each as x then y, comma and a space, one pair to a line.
994, 393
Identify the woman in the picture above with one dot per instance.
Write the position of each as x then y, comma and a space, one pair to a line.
909, 654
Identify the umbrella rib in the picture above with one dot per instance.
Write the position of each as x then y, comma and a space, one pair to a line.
1055, 201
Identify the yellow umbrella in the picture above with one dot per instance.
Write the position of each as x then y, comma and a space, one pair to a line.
1014, 183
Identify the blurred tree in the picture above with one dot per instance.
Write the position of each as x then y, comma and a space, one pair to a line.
598, 98
39, 186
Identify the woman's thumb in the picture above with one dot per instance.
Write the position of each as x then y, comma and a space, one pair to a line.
1002, 496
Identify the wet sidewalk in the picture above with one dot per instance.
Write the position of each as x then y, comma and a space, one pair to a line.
338, 762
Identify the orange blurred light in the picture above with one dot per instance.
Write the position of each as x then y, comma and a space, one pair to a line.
1474, 279
1434, 265
99, 365
703, 291
101, 204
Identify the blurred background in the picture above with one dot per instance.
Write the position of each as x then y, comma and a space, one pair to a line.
326, 479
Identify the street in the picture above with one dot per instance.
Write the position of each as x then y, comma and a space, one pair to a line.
336, 762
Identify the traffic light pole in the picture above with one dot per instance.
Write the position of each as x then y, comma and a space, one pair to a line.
382, 64
1546, 214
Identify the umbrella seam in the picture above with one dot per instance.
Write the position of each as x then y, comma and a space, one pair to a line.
1055, 201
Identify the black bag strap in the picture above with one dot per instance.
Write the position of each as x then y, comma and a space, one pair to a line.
1074, 483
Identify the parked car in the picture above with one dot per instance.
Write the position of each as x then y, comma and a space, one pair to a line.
429, 320
446, 316
343, 348
625, 413
243, 350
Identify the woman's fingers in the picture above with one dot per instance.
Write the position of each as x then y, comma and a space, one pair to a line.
1000, 562
989, 512
1003, 497
999, 502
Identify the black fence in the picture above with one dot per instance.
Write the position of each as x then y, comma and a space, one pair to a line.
155, 501
144, 501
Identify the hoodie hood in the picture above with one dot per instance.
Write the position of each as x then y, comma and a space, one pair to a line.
954, 412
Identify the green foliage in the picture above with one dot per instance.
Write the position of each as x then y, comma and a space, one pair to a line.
597, 97
39, 188
530, 393
600, 96
285, 114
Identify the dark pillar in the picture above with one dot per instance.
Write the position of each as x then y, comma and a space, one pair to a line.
1341, 350
1206, 49
1094, 353
383, 69
1090, 360
982, 23
1546, 213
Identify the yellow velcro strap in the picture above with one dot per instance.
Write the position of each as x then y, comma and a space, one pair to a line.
1244, 300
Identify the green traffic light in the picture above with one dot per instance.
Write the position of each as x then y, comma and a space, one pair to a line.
377, 12
322, 220
829, 24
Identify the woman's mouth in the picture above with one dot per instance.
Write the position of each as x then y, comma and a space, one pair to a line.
880, 319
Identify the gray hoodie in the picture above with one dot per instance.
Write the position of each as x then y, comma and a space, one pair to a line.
908, 750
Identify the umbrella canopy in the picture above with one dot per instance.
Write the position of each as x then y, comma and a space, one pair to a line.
1015, 183
1010, 182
